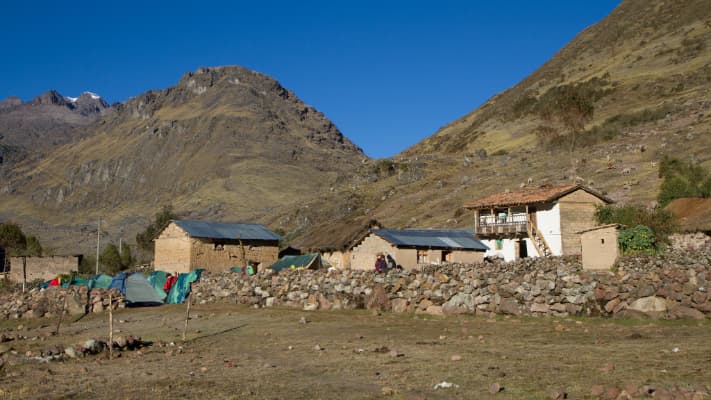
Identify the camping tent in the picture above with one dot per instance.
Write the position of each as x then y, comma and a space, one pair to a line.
100, 281
306, 261
136, 289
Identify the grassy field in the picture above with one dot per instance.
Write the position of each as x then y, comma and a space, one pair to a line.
238, 352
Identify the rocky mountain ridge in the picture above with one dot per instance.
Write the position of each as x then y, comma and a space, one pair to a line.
223, 143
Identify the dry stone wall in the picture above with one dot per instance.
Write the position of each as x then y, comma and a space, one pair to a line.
672, 285
50, 302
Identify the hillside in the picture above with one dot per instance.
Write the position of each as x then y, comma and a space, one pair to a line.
623, 94
28, 129
224, 143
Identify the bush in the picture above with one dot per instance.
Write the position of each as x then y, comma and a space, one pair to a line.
661, 222
682, 179
639, 239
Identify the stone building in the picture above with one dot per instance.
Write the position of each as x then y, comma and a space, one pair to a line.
187, 245
536, 222
600, 247
44, 268
413, 247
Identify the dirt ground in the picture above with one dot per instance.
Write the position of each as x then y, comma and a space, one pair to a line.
235, 352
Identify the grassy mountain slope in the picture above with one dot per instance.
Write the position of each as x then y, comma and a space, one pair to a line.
640, 83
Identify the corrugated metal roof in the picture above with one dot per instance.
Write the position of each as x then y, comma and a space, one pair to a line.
221, 230
433, 238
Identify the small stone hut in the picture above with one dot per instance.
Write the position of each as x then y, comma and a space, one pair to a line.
600, 247
187, 245
412, 247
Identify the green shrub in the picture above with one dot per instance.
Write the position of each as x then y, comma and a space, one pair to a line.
144, 239
639, 239
661, 222
682, 179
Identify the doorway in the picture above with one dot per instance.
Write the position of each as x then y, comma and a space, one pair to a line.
522, 248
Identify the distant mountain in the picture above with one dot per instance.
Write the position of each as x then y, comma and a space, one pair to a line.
224, 143
49, 120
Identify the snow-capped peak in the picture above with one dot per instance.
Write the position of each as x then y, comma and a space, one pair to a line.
71, 99
93, 95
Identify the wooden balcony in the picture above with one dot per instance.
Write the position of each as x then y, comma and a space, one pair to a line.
514, 226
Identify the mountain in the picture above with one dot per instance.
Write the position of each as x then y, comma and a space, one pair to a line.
225, 143
43, 123
604, 111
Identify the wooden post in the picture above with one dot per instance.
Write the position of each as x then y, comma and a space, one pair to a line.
111, 327
187, 317
24, 273
61, 312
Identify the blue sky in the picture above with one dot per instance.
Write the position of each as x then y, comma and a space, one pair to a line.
388, 73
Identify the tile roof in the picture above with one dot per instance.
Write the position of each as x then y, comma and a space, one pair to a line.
221, 230
432, 238
531, 196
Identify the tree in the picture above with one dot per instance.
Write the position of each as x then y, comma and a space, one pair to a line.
682, 179
125, 253
110, 259
17, 243
12, 238
144, 239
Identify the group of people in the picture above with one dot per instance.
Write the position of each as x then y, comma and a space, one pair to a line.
385, 263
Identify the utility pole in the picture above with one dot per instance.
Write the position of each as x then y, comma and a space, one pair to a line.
120, 247
98, 241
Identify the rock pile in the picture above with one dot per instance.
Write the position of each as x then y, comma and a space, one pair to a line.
671, 285
37, 303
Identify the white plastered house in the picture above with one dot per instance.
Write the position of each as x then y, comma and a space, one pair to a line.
545, 221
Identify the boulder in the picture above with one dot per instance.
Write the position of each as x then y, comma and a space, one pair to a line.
654, 307
399, 305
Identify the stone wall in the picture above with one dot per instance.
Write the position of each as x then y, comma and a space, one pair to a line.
672, 285
43, 268
693, 241
48, 303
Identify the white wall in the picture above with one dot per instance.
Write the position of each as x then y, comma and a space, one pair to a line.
548, 221
508, 252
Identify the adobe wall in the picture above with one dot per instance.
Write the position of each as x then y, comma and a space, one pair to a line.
600, 249
338, 259
467, 257
172, 250
577, 213
219, 256
43, 268
363, 256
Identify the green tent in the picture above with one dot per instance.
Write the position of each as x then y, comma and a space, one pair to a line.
100, 281
306, 261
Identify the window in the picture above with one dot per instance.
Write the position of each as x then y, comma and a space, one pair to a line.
499, 244
602, 240
218, 247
